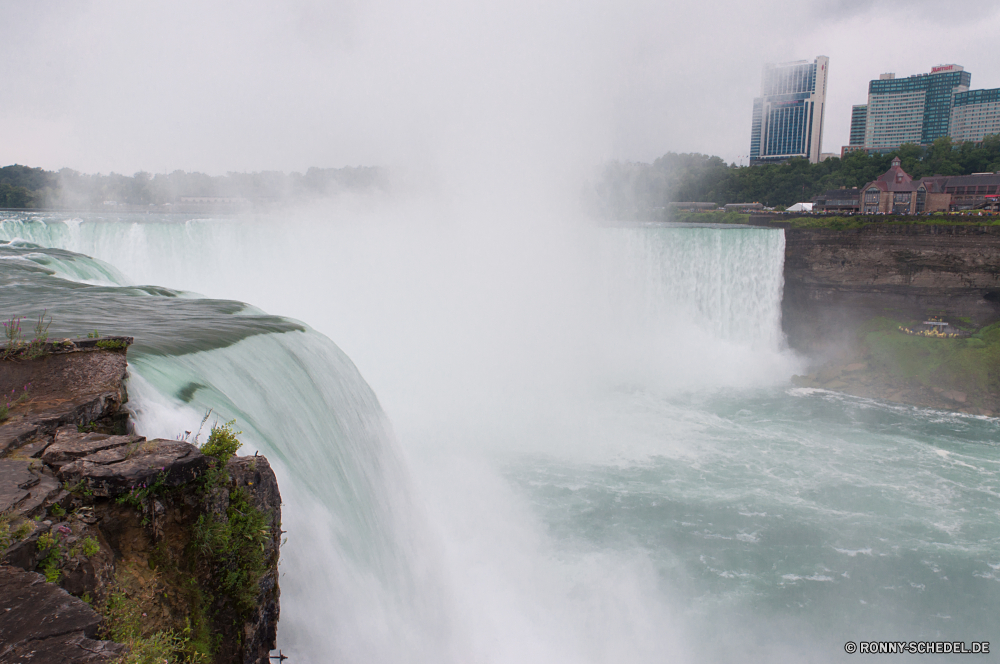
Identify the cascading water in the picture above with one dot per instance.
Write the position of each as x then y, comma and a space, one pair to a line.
282, 382
599, 459
728, 279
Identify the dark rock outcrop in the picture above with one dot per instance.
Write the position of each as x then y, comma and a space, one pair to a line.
101, 511
835, 279
40, 623
111, 472
69, 444
260, 634
25, 486
68, 386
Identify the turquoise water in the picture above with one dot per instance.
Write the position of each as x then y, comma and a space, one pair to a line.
584, 449
844, 518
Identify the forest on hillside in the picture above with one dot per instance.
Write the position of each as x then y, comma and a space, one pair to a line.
636, 190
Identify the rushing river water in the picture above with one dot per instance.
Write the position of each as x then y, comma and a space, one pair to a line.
590, 450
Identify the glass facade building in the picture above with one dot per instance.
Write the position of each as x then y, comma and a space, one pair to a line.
787, 118
915, 109
975, 114
758, 111
859, 119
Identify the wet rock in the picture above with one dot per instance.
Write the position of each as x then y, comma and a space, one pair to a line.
33, 448
112, 472
25, 486
25, 554
955, 395
14, 475
64, 388
70, 445
41, 623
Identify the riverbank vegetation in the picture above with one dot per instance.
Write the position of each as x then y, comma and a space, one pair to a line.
635, 190
930, 372
849, 222
970, 366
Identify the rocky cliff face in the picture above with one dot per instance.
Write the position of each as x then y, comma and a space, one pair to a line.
835, 279
105, 535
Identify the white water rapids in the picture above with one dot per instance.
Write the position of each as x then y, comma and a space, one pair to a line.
594, 454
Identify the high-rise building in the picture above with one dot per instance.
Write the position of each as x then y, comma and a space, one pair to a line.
859, 117
915, 109
975, 114
788, 116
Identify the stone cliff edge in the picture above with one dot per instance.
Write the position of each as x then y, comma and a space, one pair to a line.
113, 545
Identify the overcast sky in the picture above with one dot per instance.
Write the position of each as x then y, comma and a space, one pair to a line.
223, 86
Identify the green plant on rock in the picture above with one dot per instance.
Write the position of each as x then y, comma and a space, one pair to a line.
236, 546
222, 442
47, 541
970, 365
49, 565
12, 400
36, 347
6, 537
86, 428
139, 494
12, 332
16, 345
78, 489
124, 624
112, 344
23, 530
90, 547
57, 510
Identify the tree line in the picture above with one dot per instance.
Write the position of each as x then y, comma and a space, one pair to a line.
26, 187
621, 190
635, 190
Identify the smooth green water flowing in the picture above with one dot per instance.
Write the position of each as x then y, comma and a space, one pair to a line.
594, 456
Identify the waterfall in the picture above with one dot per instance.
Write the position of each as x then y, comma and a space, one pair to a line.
594, 454
729, 280
407, 542
393, 289
354, 582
